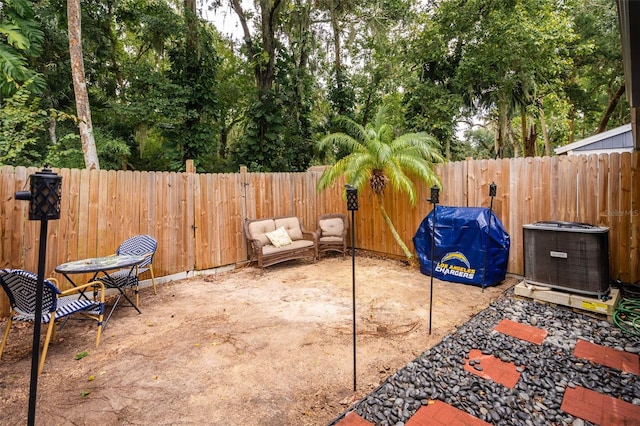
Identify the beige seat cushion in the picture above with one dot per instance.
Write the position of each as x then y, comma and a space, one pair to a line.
259, 228
330, 239
291, 225
333, 227
298, 244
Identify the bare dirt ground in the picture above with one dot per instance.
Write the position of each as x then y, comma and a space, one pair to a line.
244, 347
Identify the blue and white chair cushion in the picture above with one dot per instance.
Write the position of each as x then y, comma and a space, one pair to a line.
21, 288
23, 285
138, 245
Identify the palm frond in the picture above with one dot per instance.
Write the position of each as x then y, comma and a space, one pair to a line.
421, 168
385, 133
380, 118
351, 128
422, 143
381, 152
400, 181
342, 140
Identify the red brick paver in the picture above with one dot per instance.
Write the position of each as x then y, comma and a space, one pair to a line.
439, 413
522, 331
609, 357
493, 368
352, 419
598, 408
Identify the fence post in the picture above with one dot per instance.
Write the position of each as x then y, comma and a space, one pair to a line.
243, 194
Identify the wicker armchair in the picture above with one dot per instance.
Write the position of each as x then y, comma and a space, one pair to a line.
332, 233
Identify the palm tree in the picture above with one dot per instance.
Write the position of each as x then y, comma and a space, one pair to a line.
377, 156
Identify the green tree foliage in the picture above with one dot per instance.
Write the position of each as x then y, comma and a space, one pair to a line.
154, 84
67, 152
379, 157
279, 126
235, 87
493, 55
21, 42
596, 80
164, 86
262, 146
21, 123
195, 73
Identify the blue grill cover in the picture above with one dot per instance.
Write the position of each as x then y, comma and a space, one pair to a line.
460, 246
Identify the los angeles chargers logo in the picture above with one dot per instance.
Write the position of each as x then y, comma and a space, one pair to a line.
446, 268
458, 256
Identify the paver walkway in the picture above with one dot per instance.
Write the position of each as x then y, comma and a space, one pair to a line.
580, 402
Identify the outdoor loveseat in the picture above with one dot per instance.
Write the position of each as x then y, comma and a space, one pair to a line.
278, 239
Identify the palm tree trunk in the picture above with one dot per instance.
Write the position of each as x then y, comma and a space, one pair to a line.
410, 257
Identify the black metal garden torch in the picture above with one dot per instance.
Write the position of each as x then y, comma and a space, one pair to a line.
435, 199
44, 205
492, 193
352, 206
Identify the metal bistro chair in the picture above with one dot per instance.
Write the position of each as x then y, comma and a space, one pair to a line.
20, 287
138, 245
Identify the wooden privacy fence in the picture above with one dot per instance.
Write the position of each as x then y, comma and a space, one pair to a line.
197, 218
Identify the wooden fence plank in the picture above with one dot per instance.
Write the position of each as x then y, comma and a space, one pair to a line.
624, 212
200, 222
9, 220
93, 213
603, 190
612, 212
473, 183
516, 213
581, 187
540, 183
30, 229
590, 191
634, 249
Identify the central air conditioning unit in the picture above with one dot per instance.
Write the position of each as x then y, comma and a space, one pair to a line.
567, 256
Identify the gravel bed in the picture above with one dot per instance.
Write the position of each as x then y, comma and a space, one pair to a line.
546, 370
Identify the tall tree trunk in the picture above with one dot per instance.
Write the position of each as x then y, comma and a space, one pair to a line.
265, 72
572, 125
613, 102
337, 61
222, 144
52, 131
80, 86
545, 132
190, 150
263, 60
264, 66
529, 134
503, 124
514, 141
115, 48
190, 16
410, 257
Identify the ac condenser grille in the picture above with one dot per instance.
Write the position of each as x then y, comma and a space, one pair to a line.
567, 256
